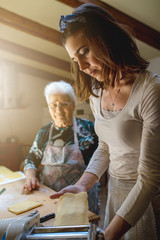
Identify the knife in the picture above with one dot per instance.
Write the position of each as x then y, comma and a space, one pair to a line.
47, 217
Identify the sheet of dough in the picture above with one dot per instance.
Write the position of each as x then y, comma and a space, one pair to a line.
72, 210
23, 206
6, 175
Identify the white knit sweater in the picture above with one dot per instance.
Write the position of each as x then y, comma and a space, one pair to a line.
129, 144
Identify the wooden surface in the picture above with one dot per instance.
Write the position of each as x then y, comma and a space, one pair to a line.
13, 195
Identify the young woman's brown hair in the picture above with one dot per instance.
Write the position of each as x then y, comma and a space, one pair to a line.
111, 43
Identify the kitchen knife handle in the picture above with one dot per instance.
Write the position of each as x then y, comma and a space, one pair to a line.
47, 217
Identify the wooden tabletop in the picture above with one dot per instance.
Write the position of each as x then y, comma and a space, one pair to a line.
13, 194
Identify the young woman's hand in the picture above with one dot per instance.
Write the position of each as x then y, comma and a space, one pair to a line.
86, 181
70, 189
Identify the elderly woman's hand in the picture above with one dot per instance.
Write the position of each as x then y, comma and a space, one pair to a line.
70, 189
31, 181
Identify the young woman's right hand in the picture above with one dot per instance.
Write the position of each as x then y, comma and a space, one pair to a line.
69, 189
86, 181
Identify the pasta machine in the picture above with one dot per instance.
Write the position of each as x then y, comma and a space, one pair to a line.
29, 227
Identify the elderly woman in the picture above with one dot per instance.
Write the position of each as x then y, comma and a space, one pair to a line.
63, 147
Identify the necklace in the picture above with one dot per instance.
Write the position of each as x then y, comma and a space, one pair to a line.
113, 100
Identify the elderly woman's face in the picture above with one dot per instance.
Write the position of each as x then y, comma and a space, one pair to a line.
61, 108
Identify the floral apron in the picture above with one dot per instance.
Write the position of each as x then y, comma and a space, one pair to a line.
62, 165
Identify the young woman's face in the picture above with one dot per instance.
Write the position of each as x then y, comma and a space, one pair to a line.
79, 51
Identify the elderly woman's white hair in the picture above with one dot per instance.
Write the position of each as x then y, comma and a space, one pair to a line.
59, 87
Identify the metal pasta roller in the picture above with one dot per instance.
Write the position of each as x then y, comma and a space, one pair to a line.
28, 227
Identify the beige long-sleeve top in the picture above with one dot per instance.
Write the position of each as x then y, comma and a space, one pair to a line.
129, 144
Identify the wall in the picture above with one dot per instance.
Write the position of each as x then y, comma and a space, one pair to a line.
25, 119
155, 65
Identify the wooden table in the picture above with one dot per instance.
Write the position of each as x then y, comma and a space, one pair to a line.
13, 195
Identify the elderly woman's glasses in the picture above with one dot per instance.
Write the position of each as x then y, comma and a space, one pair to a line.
54, 105
66, 20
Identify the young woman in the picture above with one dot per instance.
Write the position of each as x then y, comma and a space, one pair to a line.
125, 99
